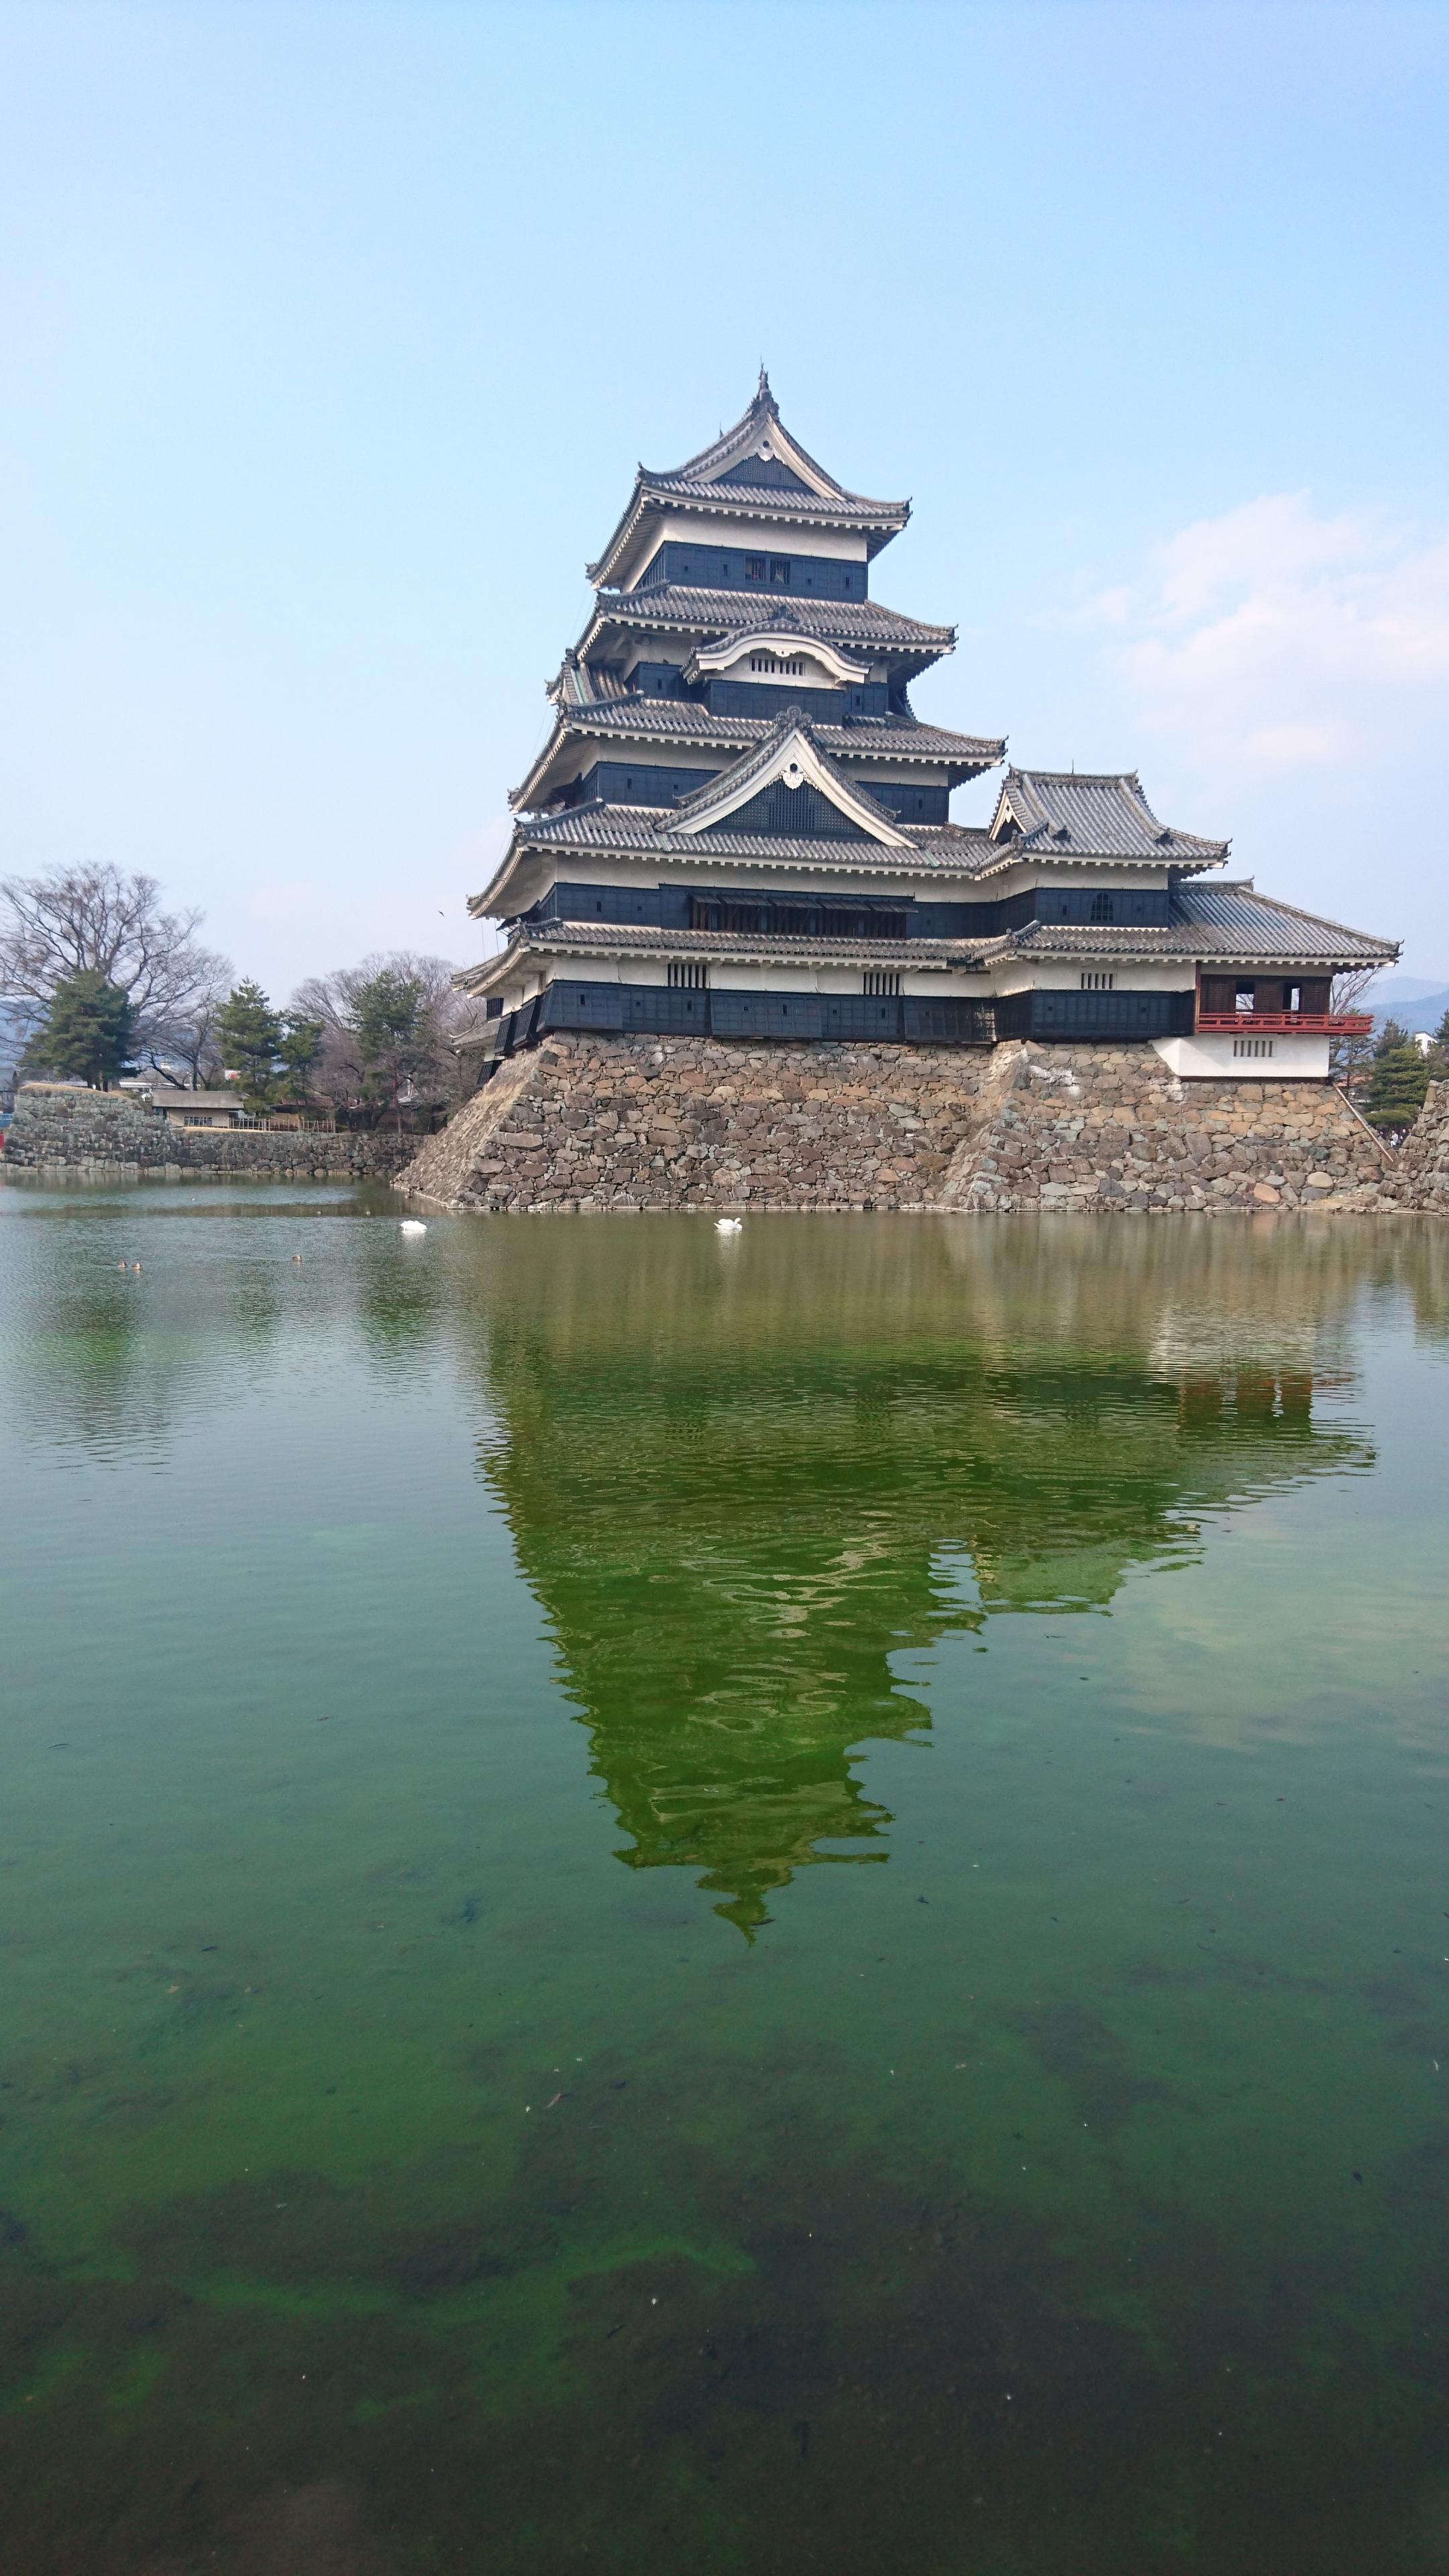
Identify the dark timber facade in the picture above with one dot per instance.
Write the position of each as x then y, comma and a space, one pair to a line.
739, 828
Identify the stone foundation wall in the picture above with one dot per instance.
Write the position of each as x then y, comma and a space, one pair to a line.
1421, 1165
107, 1135
1111, 1128
586, 1122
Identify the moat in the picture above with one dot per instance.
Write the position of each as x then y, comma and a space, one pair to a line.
749, 1903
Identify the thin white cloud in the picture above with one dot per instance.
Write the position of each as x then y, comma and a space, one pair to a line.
1279, 638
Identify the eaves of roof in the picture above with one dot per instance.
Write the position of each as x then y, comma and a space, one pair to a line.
1238, 912
948, 850
679, 721
586, 939
764, 504
673, 608
1278, 932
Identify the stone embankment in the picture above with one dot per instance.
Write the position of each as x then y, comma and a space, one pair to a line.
110, 1135
585, 1122
1421, 1165
1111, 1128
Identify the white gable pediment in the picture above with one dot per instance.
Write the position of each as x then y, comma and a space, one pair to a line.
806, 658
795, 762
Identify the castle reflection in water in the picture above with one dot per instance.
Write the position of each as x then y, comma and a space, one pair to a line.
744, 1479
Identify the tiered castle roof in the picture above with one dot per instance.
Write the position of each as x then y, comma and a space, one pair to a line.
733, 739
755, 461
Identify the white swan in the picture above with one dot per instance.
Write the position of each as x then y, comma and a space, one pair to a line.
412, 1225
727, 1225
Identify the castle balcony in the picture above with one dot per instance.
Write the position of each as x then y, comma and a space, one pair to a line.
1301, 1024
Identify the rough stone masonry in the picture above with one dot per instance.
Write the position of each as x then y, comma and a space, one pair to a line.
588, 1123
110, 1135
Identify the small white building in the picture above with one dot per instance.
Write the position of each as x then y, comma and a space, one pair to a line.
197, 1108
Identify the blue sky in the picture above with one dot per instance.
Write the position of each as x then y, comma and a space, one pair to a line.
333, 333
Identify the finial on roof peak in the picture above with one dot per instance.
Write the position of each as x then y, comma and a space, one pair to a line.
762, 389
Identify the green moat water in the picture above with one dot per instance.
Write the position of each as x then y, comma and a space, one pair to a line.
736, 1904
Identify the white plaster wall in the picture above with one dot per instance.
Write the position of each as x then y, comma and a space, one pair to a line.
1285, 1059
1148, 976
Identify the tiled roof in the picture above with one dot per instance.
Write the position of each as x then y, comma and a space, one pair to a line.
772, 501
725, 480
1230, 922
759, 422
677, 720
946, 850
594, 939
585, 684
1239, 919
677, 609
1063, 813
706, 482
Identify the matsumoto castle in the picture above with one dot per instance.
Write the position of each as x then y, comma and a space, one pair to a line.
740, 829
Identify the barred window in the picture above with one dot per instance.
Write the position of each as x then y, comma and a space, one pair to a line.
777, 668
686, 977
1103, 908
1097, 983
879, 980
754, 567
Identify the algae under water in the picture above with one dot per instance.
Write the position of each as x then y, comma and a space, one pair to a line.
772, 1902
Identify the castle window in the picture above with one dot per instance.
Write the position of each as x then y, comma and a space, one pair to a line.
754, 567
687, 978
772, 664
1103, 908
780, 569
879, 980
1097, 983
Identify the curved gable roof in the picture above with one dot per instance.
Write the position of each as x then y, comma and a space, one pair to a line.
1061, 813
757, 471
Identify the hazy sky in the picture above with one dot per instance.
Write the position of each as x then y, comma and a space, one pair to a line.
331, 335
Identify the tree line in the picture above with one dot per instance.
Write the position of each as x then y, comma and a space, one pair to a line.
112, 983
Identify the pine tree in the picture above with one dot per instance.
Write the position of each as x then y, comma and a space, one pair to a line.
251, 1037
1398, 1080
389, 1020
86, 1033
301, 1045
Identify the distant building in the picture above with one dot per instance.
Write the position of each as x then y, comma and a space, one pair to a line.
738, 826
196, 1108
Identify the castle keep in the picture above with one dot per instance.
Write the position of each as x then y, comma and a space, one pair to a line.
739, 828
751, 960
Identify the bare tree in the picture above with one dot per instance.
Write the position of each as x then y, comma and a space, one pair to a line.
192, 1038
1349, 1057
97, 921
340, 1074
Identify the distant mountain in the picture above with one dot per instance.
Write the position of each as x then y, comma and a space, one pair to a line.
1410, 1000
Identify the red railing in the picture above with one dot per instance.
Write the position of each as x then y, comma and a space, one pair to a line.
1292, 1024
